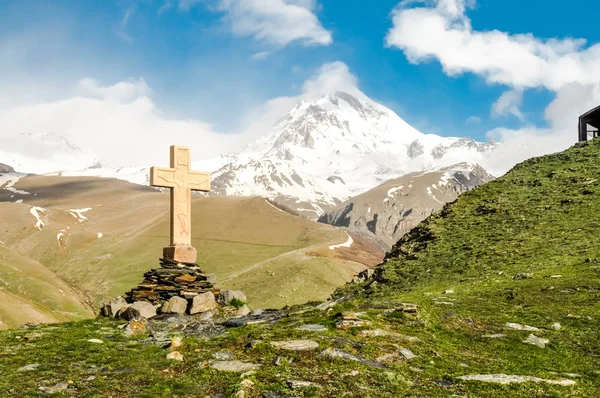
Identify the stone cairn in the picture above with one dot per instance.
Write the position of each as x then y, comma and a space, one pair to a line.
177, 288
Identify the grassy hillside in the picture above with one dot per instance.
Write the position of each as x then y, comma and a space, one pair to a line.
106, 254
521, 252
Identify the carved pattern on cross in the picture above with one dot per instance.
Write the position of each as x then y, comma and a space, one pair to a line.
182, 181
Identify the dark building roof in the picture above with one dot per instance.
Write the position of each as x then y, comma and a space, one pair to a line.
592, 118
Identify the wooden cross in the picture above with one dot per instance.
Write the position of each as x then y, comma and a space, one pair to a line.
182, 181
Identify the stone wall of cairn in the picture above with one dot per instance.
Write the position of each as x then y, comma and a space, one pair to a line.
177, 288
172, 279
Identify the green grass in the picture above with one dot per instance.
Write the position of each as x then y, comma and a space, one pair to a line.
542, 218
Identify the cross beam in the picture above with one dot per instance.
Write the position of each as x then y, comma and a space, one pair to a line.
182, 181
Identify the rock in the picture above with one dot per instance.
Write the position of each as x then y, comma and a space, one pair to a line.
223, 356
175, 305
523, 275
247, 383
299, 384
385, 333
111, 308
56, 388
203, 302
280, 361
243, 310
335, 353
494, 336
296, 345
176, 342
388, 358
136, 326
234, 366
403, 308
516, 326
508, 379
537, 341
449, 291
226, 296
556, 326
27, 368
348, 320
406, 353
175, 356
145, 308
277, 395
95, 341
312, 328
128, 313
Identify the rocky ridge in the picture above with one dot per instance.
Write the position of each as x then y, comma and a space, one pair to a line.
390, 210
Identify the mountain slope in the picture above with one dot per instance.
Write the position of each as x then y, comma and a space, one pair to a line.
390, 210
100, 236
503, 286
335, 146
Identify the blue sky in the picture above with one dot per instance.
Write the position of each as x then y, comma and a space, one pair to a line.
200, 66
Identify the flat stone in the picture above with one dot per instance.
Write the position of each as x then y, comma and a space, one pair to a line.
180, 253
523, 275
335, 353
509, 379
203, 302
388, 358
296, 345
494, 336
54, 389
348, 320
537, 341
185, 279
406, 353
175, 356
312, 328
516, 326
145, 308
223, 356
234, 366
111, 308
31, 366
299, 384
556, 326
226, 296
449, 291
386, 333
95, 341
175, 305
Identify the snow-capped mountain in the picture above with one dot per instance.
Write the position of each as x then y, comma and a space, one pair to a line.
43, 153
335, 146
326, 149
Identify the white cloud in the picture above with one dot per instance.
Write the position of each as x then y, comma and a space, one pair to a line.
185, 5
120, 124
276, 22
444, 32
125, 91
441, 31
331, 77
509, 103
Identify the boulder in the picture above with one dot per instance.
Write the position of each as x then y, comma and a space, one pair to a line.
145, 308
136, 326
128, 313
175, 305
203, 302
111, 308
243, 310
227, 296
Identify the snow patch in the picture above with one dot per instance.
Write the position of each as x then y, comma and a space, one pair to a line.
348, 243
38, 213
78, 214
430, 193
391, 191
100, 235
17, 191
